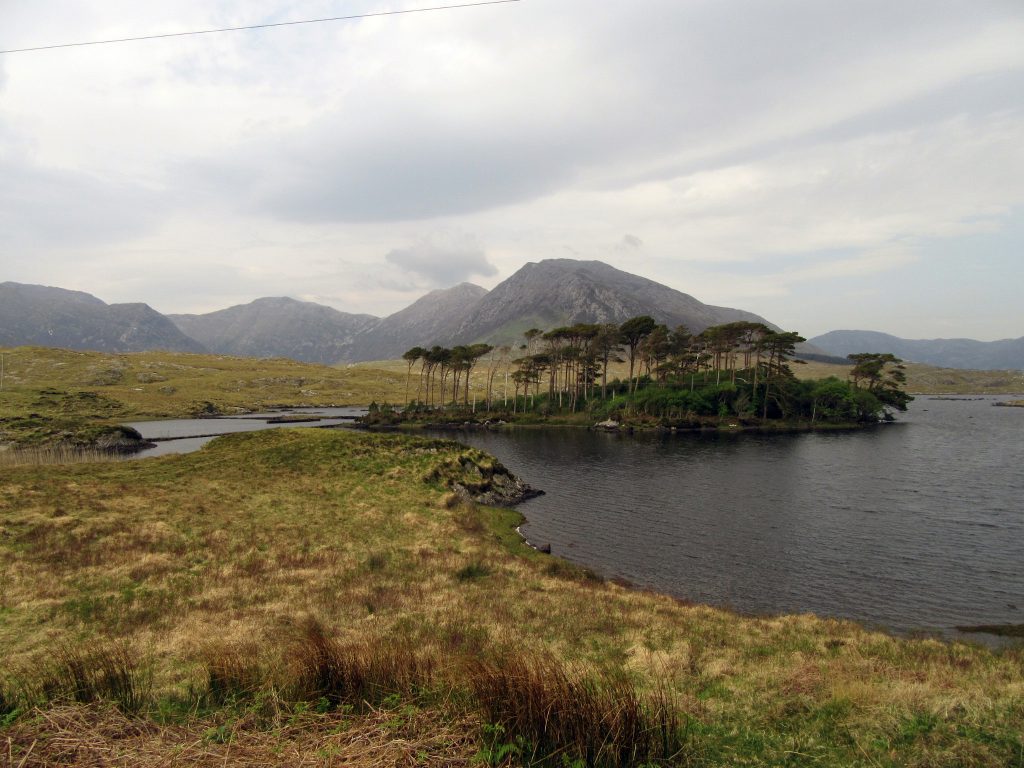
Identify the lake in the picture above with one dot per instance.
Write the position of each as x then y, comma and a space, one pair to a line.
912, 526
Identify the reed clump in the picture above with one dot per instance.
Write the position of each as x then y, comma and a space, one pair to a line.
112, 672
359, 672
562, 712
54, 455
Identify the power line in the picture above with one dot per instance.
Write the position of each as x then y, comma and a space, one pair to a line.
259, 26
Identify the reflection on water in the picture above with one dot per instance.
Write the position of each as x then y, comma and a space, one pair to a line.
913, 526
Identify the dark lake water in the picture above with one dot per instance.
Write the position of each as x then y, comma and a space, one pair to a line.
915, 526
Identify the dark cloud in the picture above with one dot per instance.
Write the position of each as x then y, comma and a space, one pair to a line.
445, 263
630, 243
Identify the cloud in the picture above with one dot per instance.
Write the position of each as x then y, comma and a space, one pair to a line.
50, 207
630, 243
444, 262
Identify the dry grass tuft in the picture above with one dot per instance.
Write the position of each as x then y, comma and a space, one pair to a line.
233, 671
360, 672
536, 702
110, 672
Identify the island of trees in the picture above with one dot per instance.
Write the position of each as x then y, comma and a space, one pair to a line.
738, 373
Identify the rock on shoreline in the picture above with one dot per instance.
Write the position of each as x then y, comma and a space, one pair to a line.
477, 476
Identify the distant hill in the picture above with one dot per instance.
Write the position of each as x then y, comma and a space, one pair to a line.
278, 327
1005, 354
54, 317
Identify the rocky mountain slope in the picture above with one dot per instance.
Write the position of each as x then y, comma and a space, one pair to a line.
54, 317
278, 327
424, 322
564, 291
1005, 354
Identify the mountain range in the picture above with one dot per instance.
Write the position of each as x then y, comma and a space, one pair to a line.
544, 295
1005, 354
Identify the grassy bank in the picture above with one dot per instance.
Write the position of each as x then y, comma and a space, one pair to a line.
305, 596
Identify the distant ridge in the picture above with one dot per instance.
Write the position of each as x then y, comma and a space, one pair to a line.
1005, 354
277, 327
44, 316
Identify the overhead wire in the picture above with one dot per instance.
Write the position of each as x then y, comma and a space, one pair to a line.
268, 25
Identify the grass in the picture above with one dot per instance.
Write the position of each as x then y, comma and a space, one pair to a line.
294, 597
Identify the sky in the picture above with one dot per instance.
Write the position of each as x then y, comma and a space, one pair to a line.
826, 165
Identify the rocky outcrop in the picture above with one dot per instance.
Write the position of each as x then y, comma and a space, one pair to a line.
121, 439
482, 478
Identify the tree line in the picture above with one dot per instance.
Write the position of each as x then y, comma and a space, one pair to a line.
741, 367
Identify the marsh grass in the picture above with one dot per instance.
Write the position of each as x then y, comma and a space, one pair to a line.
472, 571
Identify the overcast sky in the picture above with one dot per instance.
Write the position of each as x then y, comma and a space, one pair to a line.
825, 164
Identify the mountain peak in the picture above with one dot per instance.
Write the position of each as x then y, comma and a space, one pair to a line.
555, 292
